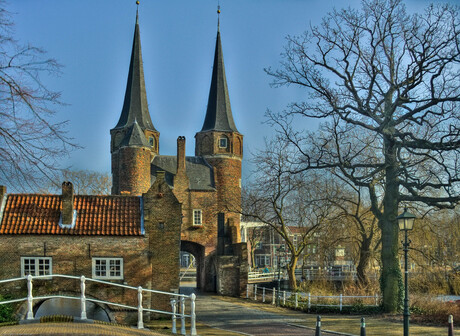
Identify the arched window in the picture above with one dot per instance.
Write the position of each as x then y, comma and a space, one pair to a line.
152, 141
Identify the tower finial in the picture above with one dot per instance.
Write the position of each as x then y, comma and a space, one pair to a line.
218, 15
137, 11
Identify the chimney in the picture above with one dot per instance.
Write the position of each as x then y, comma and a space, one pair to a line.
2, 193
67, 203
181, 154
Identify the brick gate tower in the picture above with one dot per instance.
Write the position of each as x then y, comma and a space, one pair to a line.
207, 185
134, 140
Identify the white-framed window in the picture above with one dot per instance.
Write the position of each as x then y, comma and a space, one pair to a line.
197, 217
108, 268
36, 266
223, 142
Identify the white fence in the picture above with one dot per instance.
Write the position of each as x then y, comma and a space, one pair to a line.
260, 276
271, 295
175, 299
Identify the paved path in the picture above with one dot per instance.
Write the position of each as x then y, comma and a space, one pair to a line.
237, 317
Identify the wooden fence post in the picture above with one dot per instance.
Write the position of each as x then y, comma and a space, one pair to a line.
173, 310
182, 315
192, 313
83, 298
140, 322
30, 298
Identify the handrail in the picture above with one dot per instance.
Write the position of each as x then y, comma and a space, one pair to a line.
175, 299
308, 296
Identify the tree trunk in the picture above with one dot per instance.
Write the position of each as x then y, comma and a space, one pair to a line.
391, 273
291, 273
253, 258
363, 264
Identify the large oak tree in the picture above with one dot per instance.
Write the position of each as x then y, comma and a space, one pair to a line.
389, 81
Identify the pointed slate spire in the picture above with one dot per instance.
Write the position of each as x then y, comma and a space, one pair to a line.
219, 113
135, 106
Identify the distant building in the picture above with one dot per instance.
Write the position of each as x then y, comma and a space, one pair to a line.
264, 242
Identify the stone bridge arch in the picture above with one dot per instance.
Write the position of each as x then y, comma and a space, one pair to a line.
68, 307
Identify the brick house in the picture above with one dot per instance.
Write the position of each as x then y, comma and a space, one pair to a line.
123, 239
159, 205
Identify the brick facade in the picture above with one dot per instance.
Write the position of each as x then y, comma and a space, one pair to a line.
150, 259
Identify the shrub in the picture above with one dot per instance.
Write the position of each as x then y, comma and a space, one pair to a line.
6, 311
432, 311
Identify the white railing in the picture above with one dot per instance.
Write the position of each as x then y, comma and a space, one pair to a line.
176, 300
253, 292
260, 276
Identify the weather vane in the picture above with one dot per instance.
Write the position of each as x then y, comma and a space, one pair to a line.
218, 15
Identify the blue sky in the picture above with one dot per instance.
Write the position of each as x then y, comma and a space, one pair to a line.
92, 40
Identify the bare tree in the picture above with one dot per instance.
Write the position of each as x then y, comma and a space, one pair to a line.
361, 224
31, 143
85, 182
394, 79
282, 200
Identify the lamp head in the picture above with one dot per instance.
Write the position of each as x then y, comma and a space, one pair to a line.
406, 220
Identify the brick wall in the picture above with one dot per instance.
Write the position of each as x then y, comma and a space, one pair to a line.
131, 171
162, 225
72, 255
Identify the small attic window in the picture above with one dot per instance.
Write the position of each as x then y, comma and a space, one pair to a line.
223, 142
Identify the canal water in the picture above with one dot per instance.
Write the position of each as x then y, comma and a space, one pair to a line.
60, 306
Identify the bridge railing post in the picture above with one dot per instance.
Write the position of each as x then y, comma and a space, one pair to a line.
340, 301
263, 294
247, 291
30, 298
284, 298
193, 315
255, 292
140, 322
83, 298
173, 310
182, 315
296, 300
309, 300
274, 296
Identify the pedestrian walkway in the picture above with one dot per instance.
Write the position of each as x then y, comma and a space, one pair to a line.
73, 329
237, 317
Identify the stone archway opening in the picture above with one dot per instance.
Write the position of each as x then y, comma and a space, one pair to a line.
70, 307
192, 265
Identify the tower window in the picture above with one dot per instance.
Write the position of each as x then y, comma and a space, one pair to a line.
151, 141
197, 218
223, 143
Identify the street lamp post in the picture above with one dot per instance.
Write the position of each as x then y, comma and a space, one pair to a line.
278, 297
406, 223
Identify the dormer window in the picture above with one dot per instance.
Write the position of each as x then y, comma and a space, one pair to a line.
223, 142
151, 142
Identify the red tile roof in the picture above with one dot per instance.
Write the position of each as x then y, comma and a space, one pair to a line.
96, 215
